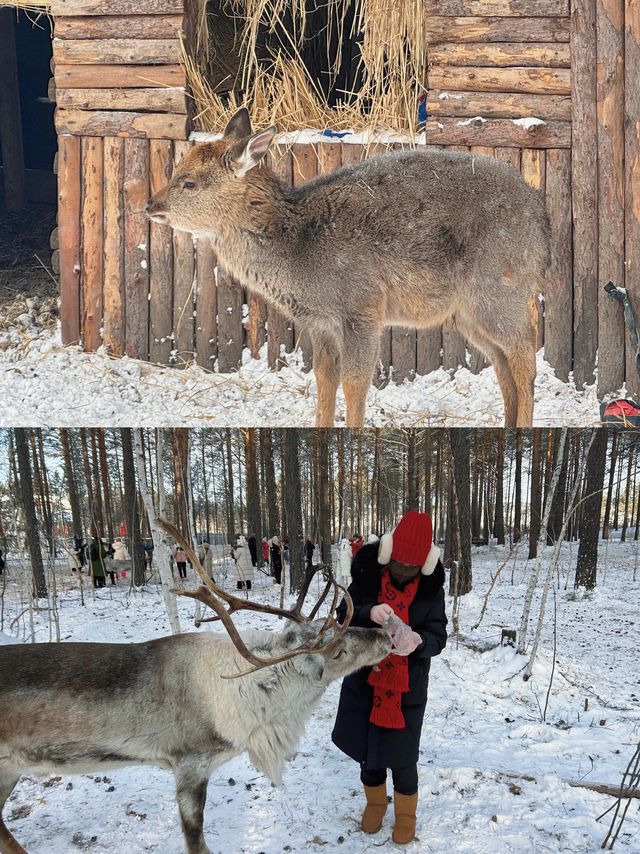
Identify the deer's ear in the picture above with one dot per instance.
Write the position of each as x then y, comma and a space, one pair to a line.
311, 666
249, 152
239, 125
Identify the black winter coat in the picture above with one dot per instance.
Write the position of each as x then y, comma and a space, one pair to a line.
363, 741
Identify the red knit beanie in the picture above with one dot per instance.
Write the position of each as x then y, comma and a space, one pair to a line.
411, 543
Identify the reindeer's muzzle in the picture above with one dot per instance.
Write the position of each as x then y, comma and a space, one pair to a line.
156, 210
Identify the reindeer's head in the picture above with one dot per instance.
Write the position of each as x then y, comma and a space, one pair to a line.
354, 649
212, 178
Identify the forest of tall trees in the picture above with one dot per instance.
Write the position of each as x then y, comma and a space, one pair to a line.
479, 486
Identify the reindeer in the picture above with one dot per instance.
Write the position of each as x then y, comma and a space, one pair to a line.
76, 707
414, 238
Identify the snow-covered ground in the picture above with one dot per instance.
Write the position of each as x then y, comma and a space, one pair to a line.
483, 722
45, 384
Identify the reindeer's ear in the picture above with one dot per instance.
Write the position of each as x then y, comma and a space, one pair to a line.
249, 152
239, 125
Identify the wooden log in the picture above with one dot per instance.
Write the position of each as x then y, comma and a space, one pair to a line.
535, 81
532, 165
503, 55
118, 76
428, 350
117, 51
117, 123
632, 171
183, 285
558, 291
61, 8
508, 155
113, 289
13, 172
69, 195
136, 248
206, 305
506, 8
584, 190
230, 329
160, 259
403, 353
279, 327
497, 105
51, 90
498, 132
305, 166
119, 27
170, 100
610, 131
255, 326
485, 29
92, 242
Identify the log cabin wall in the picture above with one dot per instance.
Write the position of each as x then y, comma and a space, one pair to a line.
494, 65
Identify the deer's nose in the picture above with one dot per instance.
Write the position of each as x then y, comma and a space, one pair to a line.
148, 205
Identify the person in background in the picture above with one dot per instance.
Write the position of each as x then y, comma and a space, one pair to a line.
180, 557
244, 564
252, 542
109, 564
276, 560
397, 584
356, 544
75, 558
309, 548
148, 556
205, 556
265, 551
97, 556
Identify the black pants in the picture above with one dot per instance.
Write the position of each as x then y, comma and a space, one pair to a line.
112, 576
243, 585
98, 581
182, 569
405, 780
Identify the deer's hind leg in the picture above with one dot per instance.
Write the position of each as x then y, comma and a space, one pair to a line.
8, 842
360, 346
326, 367
500, 363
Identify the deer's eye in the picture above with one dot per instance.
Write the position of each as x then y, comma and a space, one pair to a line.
189, 185
339, 654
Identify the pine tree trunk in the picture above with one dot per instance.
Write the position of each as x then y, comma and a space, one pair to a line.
252, 483
72, 489
292, 507
131, 510
29, 508
460, 581
517, 499
586, 568
412, 480
498, 518
161, 544
231, 522
324, 503
273, 512
536, 493
106, 486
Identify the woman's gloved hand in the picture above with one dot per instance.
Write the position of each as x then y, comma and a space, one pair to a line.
380, 614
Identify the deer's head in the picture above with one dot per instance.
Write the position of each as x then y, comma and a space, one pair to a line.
214, 181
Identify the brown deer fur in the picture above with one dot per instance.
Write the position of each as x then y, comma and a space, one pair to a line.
414, 238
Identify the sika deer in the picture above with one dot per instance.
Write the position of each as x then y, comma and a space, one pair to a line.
77, 707
415, 238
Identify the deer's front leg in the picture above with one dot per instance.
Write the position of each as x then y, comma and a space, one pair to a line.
326, 367
360, 346
192, 778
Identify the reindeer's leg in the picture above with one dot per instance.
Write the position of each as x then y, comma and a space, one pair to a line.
192, 777
522, 364
326, 366
500, 365
8, 843
360, 345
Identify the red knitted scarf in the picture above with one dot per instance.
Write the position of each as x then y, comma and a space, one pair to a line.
390, 678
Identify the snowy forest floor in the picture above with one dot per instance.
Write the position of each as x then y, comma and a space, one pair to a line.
482, 721
51, 385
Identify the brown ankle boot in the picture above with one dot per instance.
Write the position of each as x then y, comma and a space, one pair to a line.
375, 809
405, 809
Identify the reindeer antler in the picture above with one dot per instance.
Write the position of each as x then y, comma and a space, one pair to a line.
214, 596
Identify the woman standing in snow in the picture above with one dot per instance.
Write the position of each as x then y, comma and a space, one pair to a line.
98, 555
180, 557
276, 560
381, 710
244, 564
